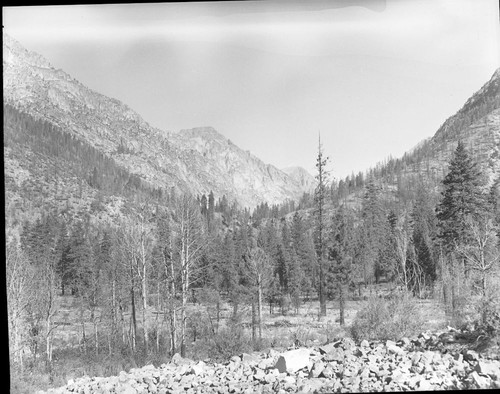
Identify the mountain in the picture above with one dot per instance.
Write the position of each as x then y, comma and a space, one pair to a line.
196, 161
306, 180
477, 124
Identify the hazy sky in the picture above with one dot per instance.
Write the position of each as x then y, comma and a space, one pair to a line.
373, 77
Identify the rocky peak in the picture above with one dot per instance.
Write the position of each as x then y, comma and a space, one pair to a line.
300, 175
196, 160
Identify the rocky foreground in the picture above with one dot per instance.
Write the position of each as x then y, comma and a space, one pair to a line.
423, 363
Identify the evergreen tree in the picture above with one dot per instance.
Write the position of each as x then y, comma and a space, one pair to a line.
424, 230
494, 201
462, 197
374, 230
320, 198
341, 254
461, 205
64, 249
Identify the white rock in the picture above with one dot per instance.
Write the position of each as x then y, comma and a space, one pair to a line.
293, 360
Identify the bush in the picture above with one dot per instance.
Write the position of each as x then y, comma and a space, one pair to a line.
229, 341
382, 319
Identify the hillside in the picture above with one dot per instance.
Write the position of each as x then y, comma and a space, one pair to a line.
194, 161
477, 124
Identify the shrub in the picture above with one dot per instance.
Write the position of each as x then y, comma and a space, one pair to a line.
229, 341
382, 319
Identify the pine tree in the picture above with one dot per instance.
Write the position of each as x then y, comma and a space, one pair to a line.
374, 229
424, 230
462, 203
320, 198
462, 197
341, 254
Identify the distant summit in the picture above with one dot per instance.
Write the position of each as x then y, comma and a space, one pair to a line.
306, 180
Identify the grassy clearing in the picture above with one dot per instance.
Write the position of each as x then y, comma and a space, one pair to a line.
279, 331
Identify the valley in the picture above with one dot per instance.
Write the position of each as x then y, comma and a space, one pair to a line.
134, 252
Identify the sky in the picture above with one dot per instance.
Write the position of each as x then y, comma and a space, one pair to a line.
373, 78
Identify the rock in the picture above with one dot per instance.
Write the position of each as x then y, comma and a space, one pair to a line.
198, 368
364, 343
427, 357
127, 390
490, 369
415, 359
327, 372
425, 385
235, 359
347, 343
481, 381
293, 360
316, 369
336, 354
259, 375
312, 385
389, 343
470, 355
459, 357
425, 335
266, 363
178, 360
249, 359
365, 372
325, 349
414, 380
394, 349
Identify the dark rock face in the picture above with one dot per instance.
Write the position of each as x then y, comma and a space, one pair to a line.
419, 364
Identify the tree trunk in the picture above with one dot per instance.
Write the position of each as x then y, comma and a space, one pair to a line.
218, 314
134, 320
259, 307
183, 315
341, 304
253, 323
173, 316
322, 298
157, 323
113, 313
144, 290
96, 337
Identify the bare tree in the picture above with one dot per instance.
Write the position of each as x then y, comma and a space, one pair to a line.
165, 245
402, 238
136, 243
481, 254
19, 277
190, 233
259, 271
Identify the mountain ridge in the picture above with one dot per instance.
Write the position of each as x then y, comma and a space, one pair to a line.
166, 159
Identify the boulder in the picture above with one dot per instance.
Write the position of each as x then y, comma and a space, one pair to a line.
490, 369
316, 369
312, 385
293, 360
481, 381
470, 355
198, 368
250, 359
329, 347
178, 360
394, 349
336, 354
